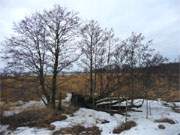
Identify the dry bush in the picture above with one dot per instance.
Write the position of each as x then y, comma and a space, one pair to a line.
32, 118
70, 110
78, 130
125, 126
165, 120
3, 107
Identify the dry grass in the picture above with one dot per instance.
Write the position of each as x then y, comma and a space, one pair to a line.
165, 120
78, 130
69, 110
3, 107
125, 126
32, 118
25, 88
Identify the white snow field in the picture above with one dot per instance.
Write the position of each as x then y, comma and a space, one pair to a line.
89, 118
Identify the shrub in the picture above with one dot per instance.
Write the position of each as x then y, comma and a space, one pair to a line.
32, 118
125, 126
69, 110
78, 130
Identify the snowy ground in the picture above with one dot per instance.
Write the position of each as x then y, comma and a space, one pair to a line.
89, 118
21, 106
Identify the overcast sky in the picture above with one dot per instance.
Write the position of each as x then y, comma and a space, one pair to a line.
156, 19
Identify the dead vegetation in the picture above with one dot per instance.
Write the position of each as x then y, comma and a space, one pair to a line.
32, 118
69, 110
25, 87
3, 107
125, 126
78, 130
165, 120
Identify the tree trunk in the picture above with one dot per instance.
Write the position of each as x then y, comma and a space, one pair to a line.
55, 71
132, 87
54, 81
101, 83
91, 72
42, 84
59, 104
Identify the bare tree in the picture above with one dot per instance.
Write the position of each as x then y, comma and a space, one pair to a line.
62, 26
93, 48
138, 50
133, 57
42, 45
26, 50
108, 85
151, 60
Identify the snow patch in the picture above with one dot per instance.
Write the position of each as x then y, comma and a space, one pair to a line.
24, 106
89, 118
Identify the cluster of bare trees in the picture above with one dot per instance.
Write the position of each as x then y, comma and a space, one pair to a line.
117, 62
47, 43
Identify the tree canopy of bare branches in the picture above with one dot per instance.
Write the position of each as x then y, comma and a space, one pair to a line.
43, 44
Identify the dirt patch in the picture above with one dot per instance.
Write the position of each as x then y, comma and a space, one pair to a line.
125, 126
165, 120
78, 130
32, 118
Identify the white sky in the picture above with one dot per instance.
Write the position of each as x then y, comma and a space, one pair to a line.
156, 19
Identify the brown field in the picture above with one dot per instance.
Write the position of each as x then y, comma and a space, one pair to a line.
25, 88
